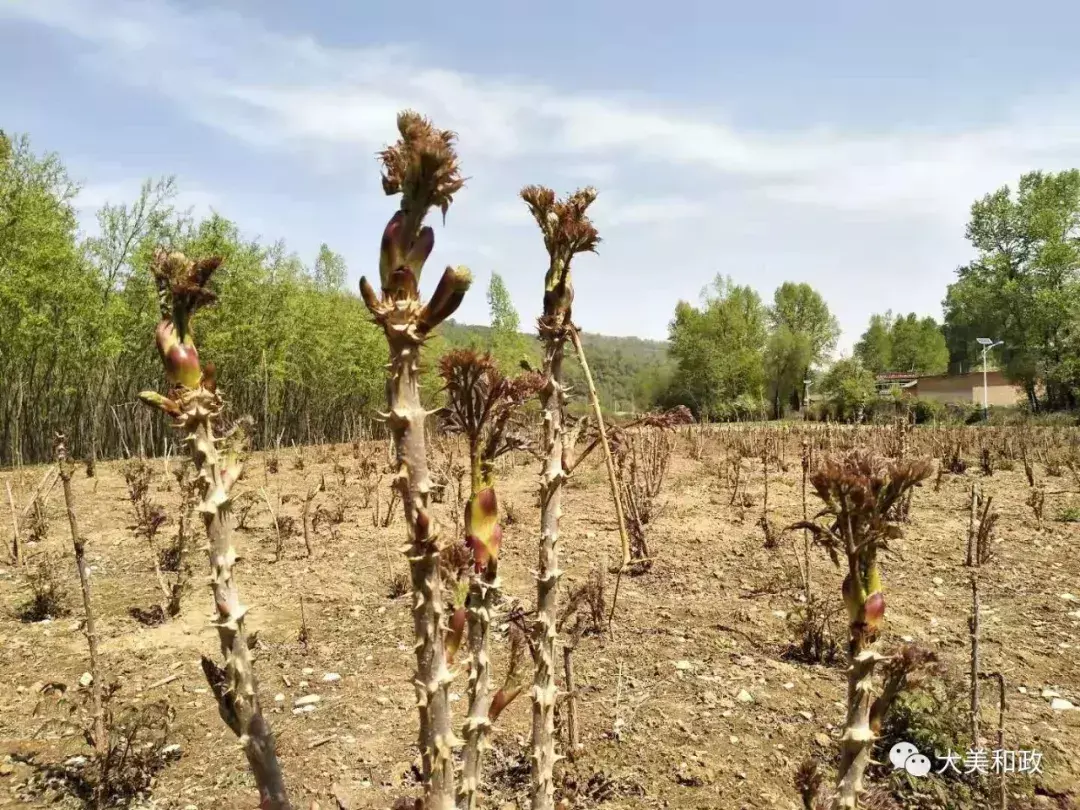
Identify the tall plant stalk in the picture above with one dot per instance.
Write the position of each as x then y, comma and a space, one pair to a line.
422, 167
861, 495
481, 403
567, 231
195, 406
63, 464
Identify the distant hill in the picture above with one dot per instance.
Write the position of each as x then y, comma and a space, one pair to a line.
629, 372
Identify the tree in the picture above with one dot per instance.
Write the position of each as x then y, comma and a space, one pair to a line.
849, 385
804, 332
906, 343
329, 271
507, 344
874, 348
718, 349
918, 345
1023, 287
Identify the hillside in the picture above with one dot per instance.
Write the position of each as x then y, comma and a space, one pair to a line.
628, 371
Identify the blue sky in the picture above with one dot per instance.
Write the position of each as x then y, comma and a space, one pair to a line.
836, 143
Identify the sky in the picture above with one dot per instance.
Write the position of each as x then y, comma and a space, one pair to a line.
836, 143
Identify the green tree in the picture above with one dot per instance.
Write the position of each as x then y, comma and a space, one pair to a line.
803, 334
506, 343
906, 343
874, 348
1023, 286
849, 387
49, 302
329, 271
918, 345
718, 350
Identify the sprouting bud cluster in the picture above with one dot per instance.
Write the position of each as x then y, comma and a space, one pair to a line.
567, 231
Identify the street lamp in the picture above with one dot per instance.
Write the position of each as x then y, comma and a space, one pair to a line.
987, 344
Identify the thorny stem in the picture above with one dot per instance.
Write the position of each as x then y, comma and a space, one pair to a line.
236, 691
195, 405
552, 479
432, 680
422, 167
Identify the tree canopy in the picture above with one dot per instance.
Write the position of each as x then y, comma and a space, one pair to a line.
1022, 286
906, 343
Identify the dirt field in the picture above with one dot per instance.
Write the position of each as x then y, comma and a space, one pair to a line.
690, 703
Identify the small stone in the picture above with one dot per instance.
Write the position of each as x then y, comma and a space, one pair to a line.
683, 666
1061, 705
733, 740
171, 750
789, 685
1022, 690
938, 581
279, 698
85, 679
806, 715
1068, 597
331, 677
823, 739
1050, 693
744, 697
6, 769
382, 700
307, 700
307, 671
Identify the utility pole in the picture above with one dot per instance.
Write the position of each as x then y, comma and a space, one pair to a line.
987, 344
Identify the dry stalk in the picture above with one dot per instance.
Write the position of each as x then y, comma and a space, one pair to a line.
64, 466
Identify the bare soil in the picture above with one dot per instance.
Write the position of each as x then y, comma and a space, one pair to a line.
691, 701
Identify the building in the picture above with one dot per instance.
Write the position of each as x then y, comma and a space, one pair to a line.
955, 387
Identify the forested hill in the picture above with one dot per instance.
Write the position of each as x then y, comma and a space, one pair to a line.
629, 372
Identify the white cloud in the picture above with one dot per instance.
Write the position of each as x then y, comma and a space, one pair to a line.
291, 91
854, 210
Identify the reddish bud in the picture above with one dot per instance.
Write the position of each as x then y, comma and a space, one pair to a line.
181, 360
503, 698
487, 502
457, 630
874, 609
390, 258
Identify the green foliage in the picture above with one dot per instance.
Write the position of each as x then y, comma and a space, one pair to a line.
718, 350
1023, 286
906, 343
77, 322
849, 386
803, 333
630, 373
506, 343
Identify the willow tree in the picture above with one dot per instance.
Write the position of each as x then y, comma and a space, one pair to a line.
567, 231
423, 168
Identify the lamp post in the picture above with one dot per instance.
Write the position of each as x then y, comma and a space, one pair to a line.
987, 344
